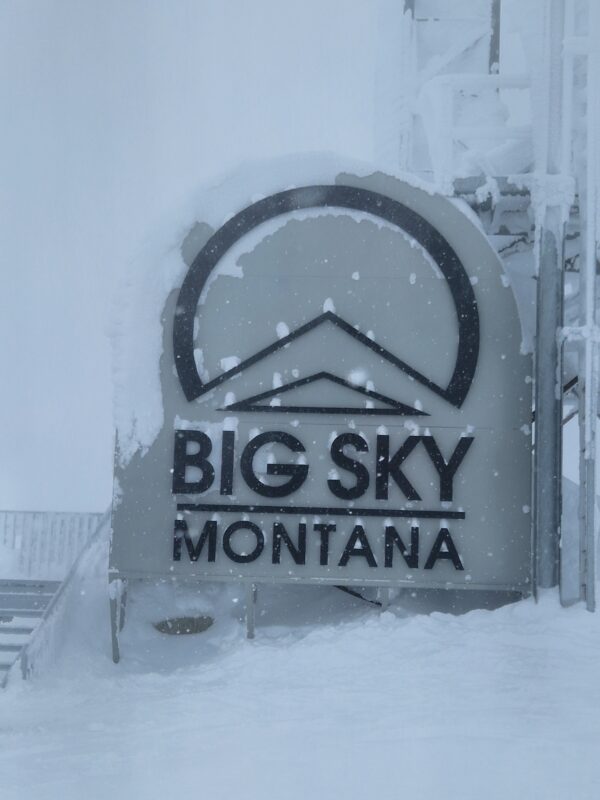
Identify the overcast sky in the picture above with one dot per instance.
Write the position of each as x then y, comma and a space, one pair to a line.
114, 114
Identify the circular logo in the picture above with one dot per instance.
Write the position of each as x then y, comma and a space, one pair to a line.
352, 198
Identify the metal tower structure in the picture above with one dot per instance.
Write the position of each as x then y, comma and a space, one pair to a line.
504, 112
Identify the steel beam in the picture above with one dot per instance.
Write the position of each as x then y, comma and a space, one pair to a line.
548, 362
589, 350
548, 408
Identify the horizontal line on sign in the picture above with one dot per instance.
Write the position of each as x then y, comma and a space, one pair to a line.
324, 511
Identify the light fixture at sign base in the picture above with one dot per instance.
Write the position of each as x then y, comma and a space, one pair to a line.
183, 626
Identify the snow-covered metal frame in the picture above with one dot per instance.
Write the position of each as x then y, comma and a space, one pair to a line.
580, 44
559, 184
553, 208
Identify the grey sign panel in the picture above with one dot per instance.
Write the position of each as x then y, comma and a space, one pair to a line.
345, 401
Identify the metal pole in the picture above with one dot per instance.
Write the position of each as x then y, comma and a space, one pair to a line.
548, 408
494, 56
548, 368
250, 610
588, 359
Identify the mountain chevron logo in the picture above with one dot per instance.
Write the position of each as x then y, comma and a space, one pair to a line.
390, 406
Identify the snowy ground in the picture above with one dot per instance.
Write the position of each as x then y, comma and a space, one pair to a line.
332, 699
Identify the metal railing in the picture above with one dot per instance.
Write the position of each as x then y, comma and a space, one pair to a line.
44, 544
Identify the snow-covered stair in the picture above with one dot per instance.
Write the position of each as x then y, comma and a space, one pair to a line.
22, 605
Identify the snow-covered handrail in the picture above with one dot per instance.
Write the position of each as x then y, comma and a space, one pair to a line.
37, 640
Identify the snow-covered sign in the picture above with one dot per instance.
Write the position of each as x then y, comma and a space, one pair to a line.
344, 401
